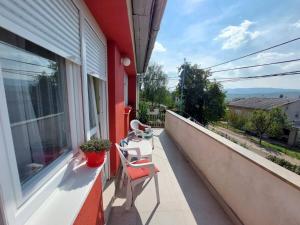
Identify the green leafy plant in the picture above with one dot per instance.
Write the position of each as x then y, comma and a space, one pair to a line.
260, 122
202, 98
96, 145
142, 115
236, 120
279, 122
284, 163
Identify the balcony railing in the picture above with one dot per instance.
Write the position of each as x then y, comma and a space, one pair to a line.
196, 163
251, 189
156, 120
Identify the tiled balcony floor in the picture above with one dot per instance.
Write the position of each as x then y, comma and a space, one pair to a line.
184, 199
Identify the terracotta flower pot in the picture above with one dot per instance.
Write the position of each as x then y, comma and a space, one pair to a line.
94, 159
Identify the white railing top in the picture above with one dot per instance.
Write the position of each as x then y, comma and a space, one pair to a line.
264, 163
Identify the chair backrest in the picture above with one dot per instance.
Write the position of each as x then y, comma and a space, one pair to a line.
134, 124
122, 157
123, 142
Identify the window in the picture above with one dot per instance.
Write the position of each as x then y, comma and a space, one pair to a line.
92, 103
97, 107
93, 107
36, 95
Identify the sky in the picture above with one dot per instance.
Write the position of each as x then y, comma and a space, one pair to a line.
207, 32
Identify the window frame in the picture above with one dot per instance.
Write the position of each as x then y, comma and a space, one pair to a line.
101, 130
27, 199
93, 130
19, 215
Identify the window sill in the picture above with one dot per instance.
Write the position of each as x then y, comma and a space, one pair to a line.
64, 204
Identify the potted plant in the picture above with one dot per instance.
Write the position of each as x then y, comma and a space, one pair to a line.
94, 151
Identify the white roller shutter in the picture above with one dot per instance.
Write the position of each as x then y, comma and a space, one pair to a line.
52, 24
95, 53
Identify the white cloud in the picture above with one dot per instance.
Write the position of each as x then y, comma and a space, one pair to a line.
296, 24
266, 57
158, 47
234, 36
189, 6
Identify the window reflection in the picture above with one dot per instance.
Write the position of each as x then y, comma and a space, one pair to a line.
35, 90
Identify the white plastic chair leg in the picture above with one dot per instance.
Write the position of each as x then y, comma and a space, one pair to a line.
122, 179
157, 188
129, 196
152, 143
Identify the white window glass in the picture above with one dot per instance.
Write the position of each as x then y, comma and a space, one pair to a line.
92, 103
35, 89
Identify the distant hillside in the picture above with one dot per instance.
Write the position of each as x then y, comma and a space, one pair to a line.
236, 93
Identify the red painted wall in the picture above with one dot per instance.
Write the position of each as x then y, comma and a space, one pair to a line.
112, 17
116, 74
132, 95
92, 211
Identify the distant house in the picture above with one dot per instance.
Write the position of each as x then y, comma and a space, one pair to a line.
291, 107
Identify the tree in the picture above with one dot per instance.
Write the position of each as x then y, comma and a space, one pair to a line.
279, 121
268, 122
202, 99
260, 122
154, 84
143, 115
236, 120
215, 102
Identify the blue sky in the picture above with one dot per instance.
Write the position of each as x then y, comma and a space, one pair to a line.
207, 32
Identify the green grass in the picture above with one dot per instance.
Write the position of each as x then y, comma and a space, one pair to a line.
275, 147
227, 126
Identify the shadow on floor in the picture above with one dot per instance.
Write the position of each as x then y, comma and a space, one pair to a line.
185, 199
202, 204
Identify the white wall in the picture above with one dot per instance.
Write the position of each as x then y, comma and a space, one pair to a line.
292, 110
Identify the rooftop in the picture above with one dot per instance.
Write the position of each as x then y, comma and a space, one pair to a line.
262, 103
184, 197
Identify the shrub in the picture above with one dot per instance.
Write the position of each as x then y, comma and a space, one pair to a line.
284, 163
279, 122
236, 120
142, 115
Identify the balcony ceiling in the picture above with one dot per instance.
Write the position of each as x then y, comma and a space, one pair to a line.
147, 15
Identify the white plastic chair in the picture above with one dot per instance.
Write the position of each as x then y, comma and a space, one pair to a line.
135, 127
137, 172
135, 153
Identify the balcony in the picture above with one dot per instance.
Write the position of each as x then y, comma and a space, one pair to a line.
206, 179
184, 197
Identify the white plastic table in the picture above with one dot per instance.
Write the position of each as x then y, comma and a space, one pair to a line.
143, 144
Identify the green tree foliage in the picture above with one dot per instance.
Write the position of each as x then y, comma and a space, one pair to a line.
260, 122
202, 99
279, 122
215, 98
238, 121
142, 115
154, 83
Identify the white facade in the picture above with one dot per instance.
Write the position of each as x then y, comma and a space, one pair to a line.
292, 111
69, 31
